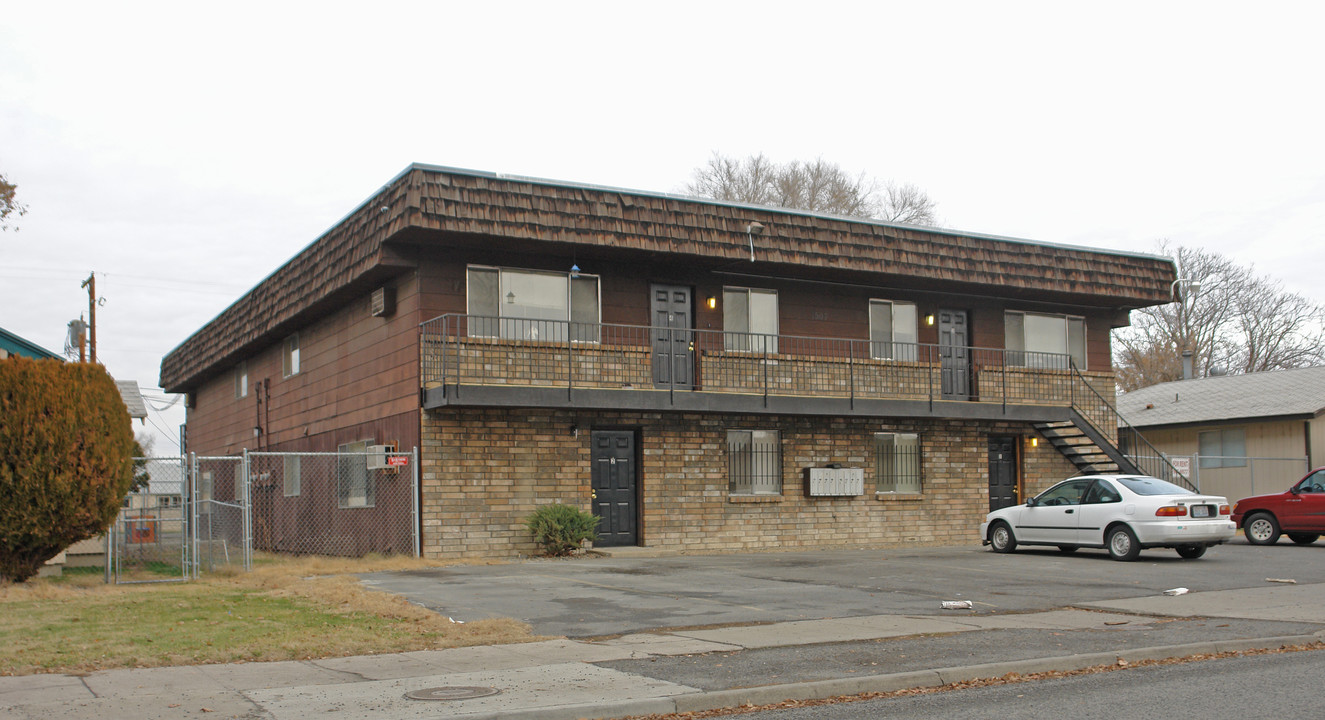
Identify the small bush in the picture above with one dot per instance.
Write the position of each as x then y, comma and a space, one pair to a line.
559, 529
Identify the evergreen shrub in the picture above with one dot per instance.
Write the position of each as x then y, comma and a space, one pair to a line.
66, 450
560, 529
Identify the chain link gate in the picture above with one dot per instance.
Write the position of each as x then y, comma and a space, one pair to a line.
199, 514
149, 540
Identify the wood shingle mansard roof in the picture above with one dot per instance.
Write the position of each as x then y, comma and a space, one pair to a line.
436, 206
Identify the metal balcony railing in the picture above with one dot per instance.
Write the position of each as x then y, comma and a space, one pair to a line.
460, 350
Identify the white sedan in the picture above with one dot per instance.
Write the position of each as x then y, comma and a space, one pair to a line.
1124, 513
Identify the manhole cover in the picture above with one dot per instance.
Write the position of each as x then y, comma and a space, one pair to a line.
451, 693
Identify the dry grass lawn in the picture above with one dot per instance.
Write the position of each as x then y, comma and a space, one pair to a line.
285, 609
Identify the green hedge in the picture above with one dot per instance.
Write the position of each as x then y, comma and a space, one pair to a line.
66, 449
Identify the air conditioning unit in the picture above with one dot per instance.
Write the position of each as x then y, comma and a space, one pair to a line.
383, 302
377, 456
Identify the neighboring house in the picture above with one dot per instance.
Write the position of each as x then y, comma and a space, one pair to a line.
11, 344
1275, 416
703, 375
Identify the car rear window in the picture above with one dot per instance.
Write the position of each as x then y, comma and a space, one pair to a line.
1153, 486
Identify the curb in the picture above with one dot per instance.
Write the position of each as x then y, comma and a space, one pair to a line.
822, 689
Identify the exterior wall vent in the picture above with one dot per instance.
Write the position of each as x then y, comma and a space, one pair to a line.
834, 482
384, 302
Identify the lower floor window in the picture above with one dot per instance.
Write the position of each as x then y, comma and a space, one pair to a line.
897, 462
754, 462
354, 483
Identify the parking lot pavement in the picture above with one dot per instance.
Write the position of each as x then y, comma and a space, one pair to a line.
601, 596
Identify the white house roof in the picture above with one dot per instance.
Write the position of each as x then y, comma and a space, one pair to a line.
133, 398
1299, 392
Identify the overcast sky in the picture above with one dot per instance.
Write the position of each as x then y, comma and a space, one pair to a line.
182, 152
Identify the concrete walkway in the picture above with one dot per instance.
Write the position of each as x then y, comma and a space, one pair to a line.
688, 670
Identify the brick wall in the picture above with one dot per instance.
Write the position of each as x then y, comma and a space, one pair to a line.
484, 470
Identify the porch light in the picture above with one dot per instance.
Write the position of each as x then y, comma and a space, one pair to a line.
713, 302
929, 319
1035, 442
574, 270
510, 298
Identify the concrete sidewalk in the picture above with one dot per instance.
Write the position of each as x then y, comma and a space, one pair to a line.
688, 670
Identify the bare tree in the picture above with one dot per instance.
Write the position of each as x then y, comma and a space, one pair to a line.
907, 203
818, 186
1235, 322
8, 204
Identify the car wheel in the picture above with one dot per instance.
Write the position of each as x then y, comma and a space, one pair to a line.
1067, 548
1261, 529
1303, 539
1001, 538
1191, 552
1122, 544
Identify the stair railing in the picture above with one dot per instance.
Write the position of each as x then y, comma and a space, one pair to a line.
1093, 408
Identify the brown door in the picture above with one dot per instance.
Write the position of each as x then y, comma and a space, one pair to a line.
673, 351
615, 485
1002, 472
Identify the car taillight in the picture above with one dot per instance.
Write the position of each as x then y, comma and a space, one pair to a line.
1223, 510
1171, 511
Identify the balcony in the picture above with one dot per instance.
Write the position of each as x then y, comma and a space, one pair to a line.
489, 361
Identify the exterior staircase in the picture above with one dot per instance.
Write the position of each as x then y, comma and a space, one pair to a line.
1075, 443
1083, 441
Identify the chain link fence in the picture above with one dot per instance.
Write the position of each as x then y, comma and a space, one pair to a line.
194, 514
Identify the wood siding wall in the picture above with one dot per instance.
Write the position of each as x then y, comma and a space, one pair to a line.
358, 379
804, 308
1283, 444
435, 207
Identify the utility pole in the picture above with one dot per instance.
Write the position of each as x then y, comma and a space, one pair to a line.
91, 284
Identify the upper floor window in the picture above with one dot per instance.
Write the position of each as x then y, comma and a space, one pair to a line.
1044, 341
750, 319
241, 380
290, 356
533, 304
893, 333
754, 462
1223, 448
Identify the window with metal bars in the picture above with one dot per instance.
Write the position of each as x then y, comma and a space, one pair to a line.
897, 463
754, 462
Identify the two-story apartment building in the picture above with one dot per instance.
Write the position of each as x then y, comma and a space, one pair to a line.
703, 375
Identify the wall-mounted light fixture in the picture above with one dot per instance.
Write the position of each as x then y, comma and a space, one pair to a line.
929, 319
712, 302
574, 270
575, 430
257, 431
1193, 287
1035, 442
754, 228
510, 297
